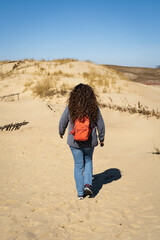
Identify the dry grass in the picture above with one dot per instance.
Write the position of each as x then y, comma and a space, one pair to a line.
45, 88
57, 73
140, 109
93, 78
5, 75
88, 61
48, 88
42, 69
86, 75
64, 89
28, 85
62, 74
106, 80
118, 73
64, 60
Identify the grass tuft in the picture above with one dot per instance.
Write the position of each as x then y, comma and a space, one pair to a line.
64, 89
64, 60
62, 74
45, 88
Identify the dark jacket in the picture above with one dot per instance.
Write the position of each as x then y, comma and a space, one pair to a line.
92, 140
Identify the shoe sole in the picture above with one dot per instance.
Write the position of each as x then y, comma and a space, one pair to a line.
88, 192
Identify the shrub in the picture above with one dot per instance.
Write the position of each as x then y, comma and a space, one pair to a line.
86, 75
42, 68
44, 88
5, 75
63, 89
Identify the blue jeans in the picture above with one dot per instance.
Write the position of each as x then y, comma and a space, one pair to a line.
82, 167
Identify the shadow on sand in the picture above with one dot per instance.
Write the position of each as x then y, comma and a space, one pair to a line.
112, 174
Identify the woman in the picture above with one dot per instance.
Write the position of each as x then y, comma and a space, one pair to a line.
82, 104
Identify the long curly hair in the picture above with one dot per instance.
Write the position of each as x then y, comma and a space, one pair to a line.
83, 102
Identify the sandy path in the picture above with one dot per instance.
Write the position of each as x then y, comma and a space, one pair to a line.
38, 196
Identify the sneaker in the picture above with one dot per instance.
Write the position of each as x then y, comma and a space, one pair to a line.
88, 190
80, 197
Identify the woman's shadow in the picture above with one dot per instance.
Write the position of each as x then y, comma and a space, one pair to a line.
112, 174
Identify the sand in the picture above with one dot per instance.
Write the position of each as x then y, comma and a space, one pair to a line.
38, 195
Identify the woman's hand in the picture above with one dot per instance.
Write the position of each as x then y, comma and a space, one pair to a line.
101, 144
61, 136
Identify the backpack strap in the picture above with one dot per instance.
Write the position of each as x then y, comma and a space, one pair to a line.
93, 126
71, 132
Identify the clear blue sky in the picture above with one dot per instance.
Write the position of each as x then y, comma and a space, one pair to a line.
121, 32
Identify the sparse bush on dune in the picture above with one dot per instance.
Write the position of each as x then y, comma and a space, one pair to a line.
37, 64
67, 75
86, 75
62, 74
29, 59
2, 75
57, 73
42, 68
5, 75
64, 89
28, 84
88, 61
48, 88
45, 88
64, 60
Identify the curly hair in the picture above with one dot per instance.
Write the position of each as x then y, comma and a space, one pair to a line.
83, 102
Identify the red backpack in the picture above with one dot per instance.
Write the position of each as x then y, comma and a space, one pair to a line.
81, 129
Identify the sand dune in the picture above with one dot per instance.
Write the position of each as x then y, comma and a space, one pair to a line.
38, 196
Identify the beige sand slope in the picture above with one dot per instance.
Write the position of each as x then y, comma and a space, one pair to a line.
38, 196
